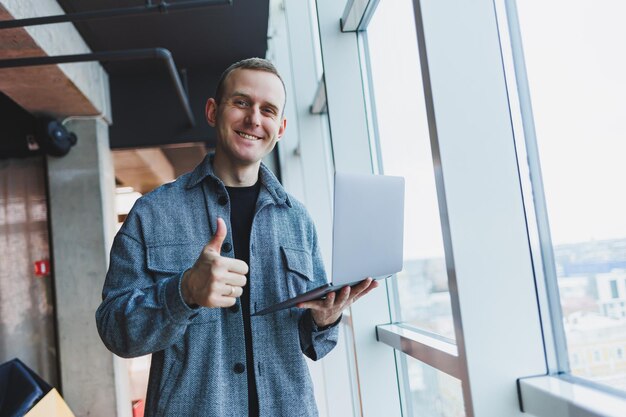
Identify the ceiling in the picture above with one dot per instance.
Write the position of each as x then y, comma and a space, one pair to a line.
210, 38
146, 110
203, 42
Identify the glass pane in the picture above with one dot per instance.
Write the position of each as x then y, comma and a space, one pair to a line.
431, 393
576, 64
404, 146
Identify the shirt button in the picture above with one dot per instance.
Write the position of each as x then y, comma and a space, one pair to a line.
226, 247
222, 200
239, 368
234, 308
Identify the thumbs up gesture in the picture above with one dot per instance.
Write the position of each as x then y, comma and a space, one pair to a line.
214, 281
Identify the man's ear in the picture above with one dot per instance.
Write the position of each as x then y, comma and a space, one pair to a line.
210, 112
281, 129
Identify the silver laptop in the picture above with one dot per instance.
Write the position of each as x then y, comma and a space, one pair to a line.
368, 227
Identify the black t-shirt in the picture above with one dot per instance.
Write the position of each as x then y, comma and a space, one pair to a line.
242, 206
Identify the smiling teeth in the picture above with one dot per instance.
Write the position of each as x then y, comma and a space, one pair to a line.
246, 136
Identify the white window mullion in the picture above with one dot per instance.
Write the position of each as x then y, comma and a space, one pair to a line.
498, 330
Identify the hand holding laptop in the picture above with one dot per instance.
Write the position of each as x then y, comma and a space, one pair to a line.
326, 312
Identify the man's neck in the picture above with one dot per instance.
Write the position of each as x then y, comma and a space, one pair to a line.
235, 175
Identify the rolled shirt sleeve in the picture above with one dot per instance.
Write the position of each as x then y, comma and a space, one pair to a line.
315, 342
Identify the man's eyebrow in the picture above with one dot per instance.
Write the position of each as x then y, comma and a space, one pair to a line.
239, 94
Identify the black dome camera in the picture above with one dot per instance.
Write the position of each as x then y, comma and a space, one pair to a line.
53, 138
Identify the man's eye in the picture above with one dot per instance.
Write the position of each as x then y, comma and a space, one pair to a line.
241, 103
269, 110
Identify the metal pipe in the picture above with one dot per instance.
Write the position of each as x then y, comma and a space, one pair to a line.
180, 90
162, 7
125, 55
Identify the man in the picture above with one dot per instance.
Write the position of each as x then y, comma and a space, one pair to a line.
188, 303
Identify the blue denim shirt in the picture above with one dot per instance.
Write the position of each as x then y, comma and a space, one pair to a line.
198, 354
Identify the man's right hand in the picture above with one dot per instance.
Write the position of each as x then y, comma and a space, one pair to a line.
214, 280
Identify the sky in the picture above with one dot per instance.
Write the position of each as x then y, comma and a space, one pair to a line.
576, 63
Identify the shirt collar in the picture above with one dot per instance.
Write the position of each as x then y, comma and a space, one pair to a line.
268, 179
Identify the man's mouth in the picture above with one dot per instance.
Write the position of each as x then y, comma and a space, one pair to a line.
247, 136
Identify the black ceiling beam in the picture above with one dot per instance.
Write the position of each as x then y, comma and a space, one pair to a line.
125, 55
160, 8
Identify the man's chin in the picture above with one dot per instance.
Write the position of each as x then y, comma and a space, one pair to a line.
245, 156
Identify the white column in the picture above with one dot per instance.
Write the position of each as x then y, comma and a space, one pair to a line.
498, 328
82, 218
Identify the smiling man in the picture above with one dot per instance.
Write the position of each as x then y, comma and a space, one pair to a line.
188, 302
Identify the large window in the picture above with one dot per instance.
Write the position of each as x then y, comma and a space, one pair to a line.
575, 63
401, 146
422, 297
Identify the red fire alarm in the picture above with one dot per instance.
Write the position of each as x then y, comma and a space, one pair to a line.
42, 268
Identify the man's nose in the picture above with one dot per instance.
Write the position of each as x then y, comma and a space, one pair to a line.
254, 116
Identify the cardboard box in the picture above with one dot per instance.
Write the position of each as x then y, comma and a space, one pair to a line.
51, 405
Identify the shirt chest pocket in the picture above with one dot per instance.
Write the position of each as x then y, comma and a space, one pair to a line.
299, 270
165, 260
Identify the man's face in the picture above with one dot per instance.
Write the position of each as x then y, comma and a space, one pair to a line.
248, 121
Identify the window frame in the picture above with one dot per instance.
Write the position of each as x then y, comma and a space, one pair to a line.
438, 15
418, 344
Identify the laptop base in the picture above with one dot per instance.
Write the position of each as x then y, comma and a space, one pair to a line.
318, 293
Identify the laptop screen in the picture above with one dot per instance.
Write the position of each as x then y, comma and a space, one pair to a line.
368, 227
